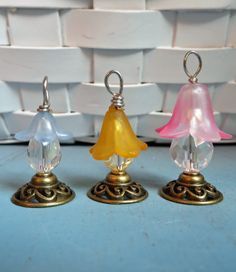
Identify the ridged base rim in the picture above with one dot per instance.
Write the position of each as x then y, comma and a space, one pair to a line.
108, 193
41, 197
205, 194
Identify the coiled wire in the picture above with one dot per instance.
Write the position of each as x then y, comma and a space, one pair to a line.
117, 98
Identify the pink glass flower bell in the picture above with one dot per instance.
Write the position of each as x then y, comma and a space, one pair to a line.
193, 115
193, 129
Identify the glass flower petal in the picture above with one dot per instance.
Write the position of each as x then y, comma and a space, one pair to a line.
28, 133
116, 137
193, 114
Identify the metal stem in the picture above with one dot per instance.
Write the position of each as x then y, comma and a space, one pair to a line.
46, 104
119, 163
192, 154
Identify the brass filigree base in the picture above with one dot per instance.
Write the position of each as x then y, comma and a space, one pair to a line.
117, 188
44, 190
191, 189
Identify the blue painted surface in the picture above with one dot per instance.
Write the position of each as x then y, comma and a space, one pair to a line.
155, 235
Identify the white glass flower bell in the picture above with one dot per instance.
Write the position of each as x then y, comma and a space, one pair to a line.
44, 154
44, 147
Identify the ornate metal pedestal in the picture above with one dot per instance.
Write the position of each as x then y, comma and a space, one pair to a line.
44, 190
118, 188
191, 189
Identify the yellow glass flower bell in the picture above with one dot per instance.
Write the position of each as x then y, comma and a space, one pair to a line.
116, 137
117, 146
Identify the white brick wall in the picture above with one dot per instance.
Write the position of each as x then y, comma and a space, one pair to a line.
231, 39
3, 28
62, 65
128, 62
34, 27
48, 4
117, 30
119, 4
194, 29
75, 42
189, 4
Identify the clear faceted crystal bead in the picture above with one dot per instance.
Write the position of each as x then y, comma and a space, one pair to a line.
117, 163
190, 154
44, 156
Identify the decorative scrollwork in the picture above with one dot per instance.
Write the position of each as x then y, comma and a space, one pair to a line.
32, 196
191, 194
117, 194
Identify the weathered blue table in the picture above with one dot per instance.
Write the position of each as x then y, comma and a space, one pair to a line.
155, 235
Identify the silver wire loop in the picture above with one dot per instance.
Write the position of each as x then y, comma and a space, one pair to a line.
192, 77
107, 84
46, 104
117, 98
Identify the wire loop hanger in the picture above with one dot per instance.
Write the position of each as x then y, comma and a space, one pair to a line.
192, 77
117, 98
